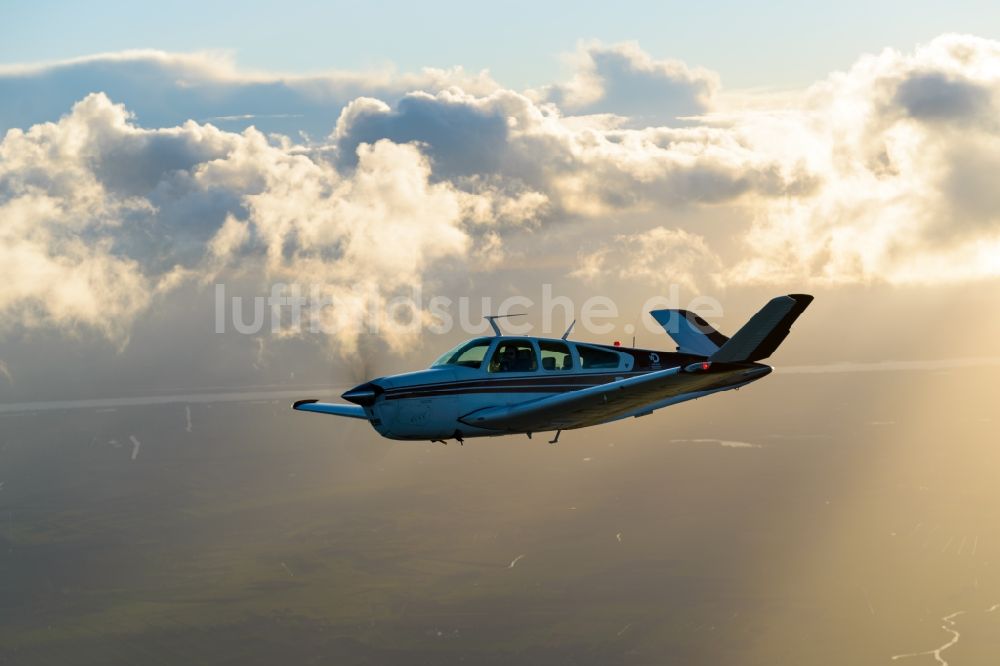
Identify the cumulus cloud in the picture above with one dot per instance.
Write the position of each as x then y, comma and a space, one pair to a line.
166, 89
894, 158
101, 216
880, 173
936, 96
583, 167
466, 135
624, 80
903, 197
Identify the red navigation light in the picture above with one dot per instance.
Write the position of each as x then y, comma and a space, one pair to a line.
705, 365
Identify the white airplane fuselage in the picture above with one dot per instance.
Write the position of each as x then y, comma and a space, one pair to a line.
506, 384
440, 403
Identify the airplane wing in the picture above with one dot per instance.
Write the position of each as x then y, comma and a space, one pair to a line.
351, 411
606, 402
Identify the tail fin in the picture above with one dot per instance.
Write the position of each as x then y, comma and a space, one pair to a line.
692, 334
767, 329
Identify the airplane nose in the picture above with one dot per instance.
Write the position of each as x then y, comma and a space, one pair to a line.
363, 394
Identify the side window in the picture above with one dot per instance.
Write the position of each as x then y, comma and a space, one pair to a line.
514, 356
555, 355
592, 358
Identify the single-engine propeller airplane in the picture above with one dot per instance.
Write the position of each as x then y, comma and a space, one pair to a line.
505, 385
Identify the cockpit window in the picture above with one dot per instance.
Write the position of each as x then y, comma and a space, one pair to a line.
468, 354
592, 358
555, 355
514, 356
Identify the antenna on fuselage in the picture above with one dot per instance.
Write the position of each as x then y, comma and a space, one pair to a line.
492, 319
566, 334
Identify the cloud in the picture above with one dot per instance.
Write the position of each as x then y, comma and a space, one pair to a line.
624, 80
467, 137
902, 200
876, 174
891, 366
101, 217
166, 89
935, 96
728, 443
215, 397
658, 257
880, 173
582, 166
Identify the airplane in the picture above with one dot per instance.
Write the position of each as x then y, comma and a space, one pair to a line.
504, 384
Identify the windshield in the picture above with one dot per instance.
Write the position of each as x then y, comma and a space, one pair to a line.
469, 354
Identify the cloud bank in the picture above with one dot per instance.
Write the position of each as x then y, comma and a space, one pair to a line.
164, 89
115, 189
102, 216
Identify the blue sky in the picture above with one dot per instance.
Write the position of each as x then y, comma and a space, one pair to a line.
777, 44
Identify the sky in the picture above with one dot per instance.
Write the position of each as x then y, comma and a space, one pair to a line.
749, 43
134, 180
165, 170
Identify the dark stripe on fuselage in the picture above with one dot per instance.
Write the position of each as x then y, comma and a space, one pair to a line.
537, 388
548, 383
